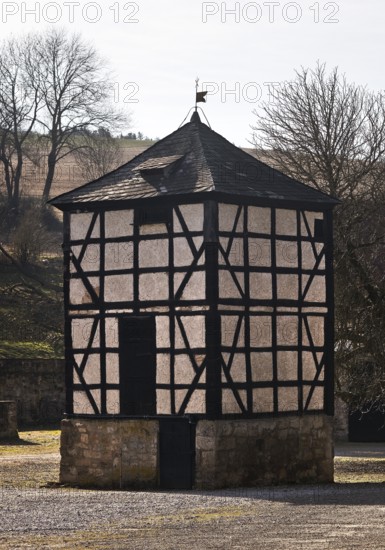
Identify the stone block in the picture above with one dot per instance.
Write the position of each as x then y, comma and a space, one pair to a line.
8, 420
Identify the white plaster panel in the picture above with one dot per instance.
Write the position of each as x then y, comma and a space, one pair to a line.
228, 327
195, 288
224, 241
286, 254
227, 286
91, 258
261, 366
285, 222
162, 331
184, 371
113, 401
112, 368
182, 252
179, 398
309, 366
153, 286
78, 292
79, 225
153, 253
162, 368
236, 253
260, 331
259, 252
263, 400
317, 331
163, 402
176, 224
287, 365
91, 371
82, 404
260, 286
118, 288
192, 215
229, 403
81, 331
226, 215
153, 229
310, 217
197, 403
238, 368
183, 256
111, 332
287, 330
119, 223
287, 287
195, 329
317, 289
198, 241
259, 220
317, 399
235, 257
308, 258
287, 399
119, 256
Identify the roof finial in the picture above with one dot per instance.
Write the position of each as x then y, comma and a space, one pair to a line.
196, 93
199, 96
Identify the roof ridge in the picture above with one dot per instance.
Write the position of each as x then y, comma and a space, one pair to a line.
198, 125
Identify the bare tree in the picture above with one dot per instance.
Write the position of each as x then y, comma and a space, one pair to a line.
331, 134
76, 96
100, 153
19, 105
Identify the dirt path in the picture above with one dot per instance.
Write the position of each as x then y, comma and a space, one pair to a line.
342, 516
332, 517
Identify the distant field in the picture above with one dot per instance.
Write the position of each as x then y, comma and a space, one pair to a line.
68, 174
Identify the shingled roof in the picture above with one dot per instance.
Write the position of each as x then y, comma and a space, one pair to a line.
193, 159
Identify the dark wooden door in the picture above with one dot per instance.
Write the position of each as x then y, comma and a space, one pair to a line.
137, 365
176, 453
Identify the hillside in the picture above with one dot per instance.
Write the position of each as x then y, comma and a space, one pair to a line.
31, 316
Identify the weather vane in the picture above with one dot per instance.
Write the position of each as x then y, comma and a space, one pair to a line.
199, 96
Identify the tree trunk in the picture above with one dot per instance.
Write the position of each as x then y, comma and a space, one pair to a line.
50, 176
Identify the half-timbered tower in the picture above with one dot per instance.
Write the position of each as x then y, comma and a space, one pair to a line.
199, 321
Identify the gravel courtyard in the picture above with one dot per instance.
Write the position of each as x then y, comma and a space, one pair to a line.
345, 515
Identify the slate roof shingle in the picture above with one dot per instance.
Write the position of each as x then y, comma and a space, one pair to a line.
193, 159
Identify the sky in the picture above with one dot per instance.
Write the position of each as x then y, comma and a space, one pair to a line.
239, 50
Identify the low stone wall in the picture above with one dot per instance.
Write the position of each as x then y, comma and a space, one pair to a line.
119, 453
38, 388
341, 420
236, 453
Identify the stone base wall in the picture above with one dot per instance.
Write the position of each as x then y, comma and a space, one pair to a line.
8, 420
121, 453
236, 453
109, 453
